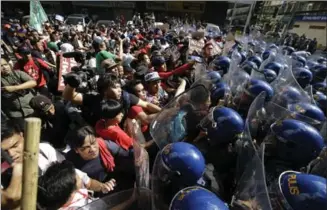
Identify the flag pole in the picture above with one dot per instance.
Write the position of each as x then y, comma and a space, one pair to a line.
30, 164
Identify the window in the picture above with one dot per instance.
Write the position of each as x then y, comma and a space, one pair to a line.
317, 27
309, 7
296, 26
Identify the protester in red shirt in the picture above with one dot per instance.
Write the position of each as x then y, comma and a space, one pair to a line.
108, 127
136, 112
32, 67
159, 64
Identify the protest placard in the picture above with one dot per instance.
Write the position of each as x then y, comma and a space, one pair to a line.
195, 46
64, 66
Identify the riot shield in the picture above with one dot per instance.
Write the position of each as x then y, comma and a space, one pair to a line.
246, 144
125, 200
160, 184
201, 76
285, 82
251, 191
259, 73
170, 124
309, 91
141, 157
142, 166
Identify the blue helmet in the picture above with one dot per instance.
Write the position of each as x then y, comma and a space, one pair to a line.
319, 73
277, 67
222, 63
270, 75
255, 87
321, 101
185, 160
227, 125
297, 142
300, 61
308, 110
256, 59
288, 95
302, 191
219, 92
196, 198
272, 46
214, 76
157, 61
321, 60
288, 50
243, 55
303, 76
311, 64
248, 66
266, 54
320, 86
251, 44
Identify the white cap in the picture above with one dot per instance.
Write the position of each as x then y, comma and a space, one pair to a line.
59, 18
66, 47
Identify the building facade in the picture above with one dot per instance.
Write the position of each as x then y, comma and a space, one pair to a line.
307, 18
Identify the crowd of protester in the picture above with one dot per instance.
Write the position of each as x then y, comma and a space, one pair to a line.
121, 74
84, 138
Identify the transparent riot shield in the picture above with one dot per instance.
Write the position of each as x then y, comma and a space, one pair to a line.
286, 82
161, 185
201, 76
251, 191
141, 157
309, 91
246, 145
142, 166
259, 73
125, 200
170, 124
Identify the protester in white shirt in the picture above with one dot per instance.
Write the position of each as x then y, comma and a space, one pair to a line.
60, 188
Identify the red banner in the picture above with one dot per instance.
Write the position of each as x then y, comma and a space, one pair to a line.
64, 66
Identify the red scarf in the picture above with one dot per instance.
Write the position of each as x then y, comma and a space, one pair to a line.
105, 155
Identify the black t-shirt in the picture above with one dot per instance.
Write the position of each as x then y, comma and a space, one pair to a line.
124, 171
92, 110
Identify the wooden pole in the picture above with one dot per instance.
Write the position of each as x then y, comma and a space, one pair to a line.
30, 167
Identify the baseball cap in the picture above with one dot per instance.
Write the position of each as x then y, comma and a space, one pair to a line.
40, 103
98, 39
24, 51
141, 70
151, 77
108, 64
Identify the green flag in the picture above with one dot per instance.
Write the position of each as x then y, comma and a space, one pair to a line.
37, 15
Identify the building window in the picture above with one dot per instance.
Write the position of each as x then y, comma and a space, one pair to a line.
296, 26
309, 7
317, 27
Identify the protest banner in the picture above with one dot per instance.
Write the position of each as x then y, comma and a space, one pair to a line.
195, 46
64, 66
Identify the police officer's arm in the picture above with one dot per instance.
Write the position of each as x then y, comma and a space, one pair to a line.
11, 196
148, 106
70, 94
